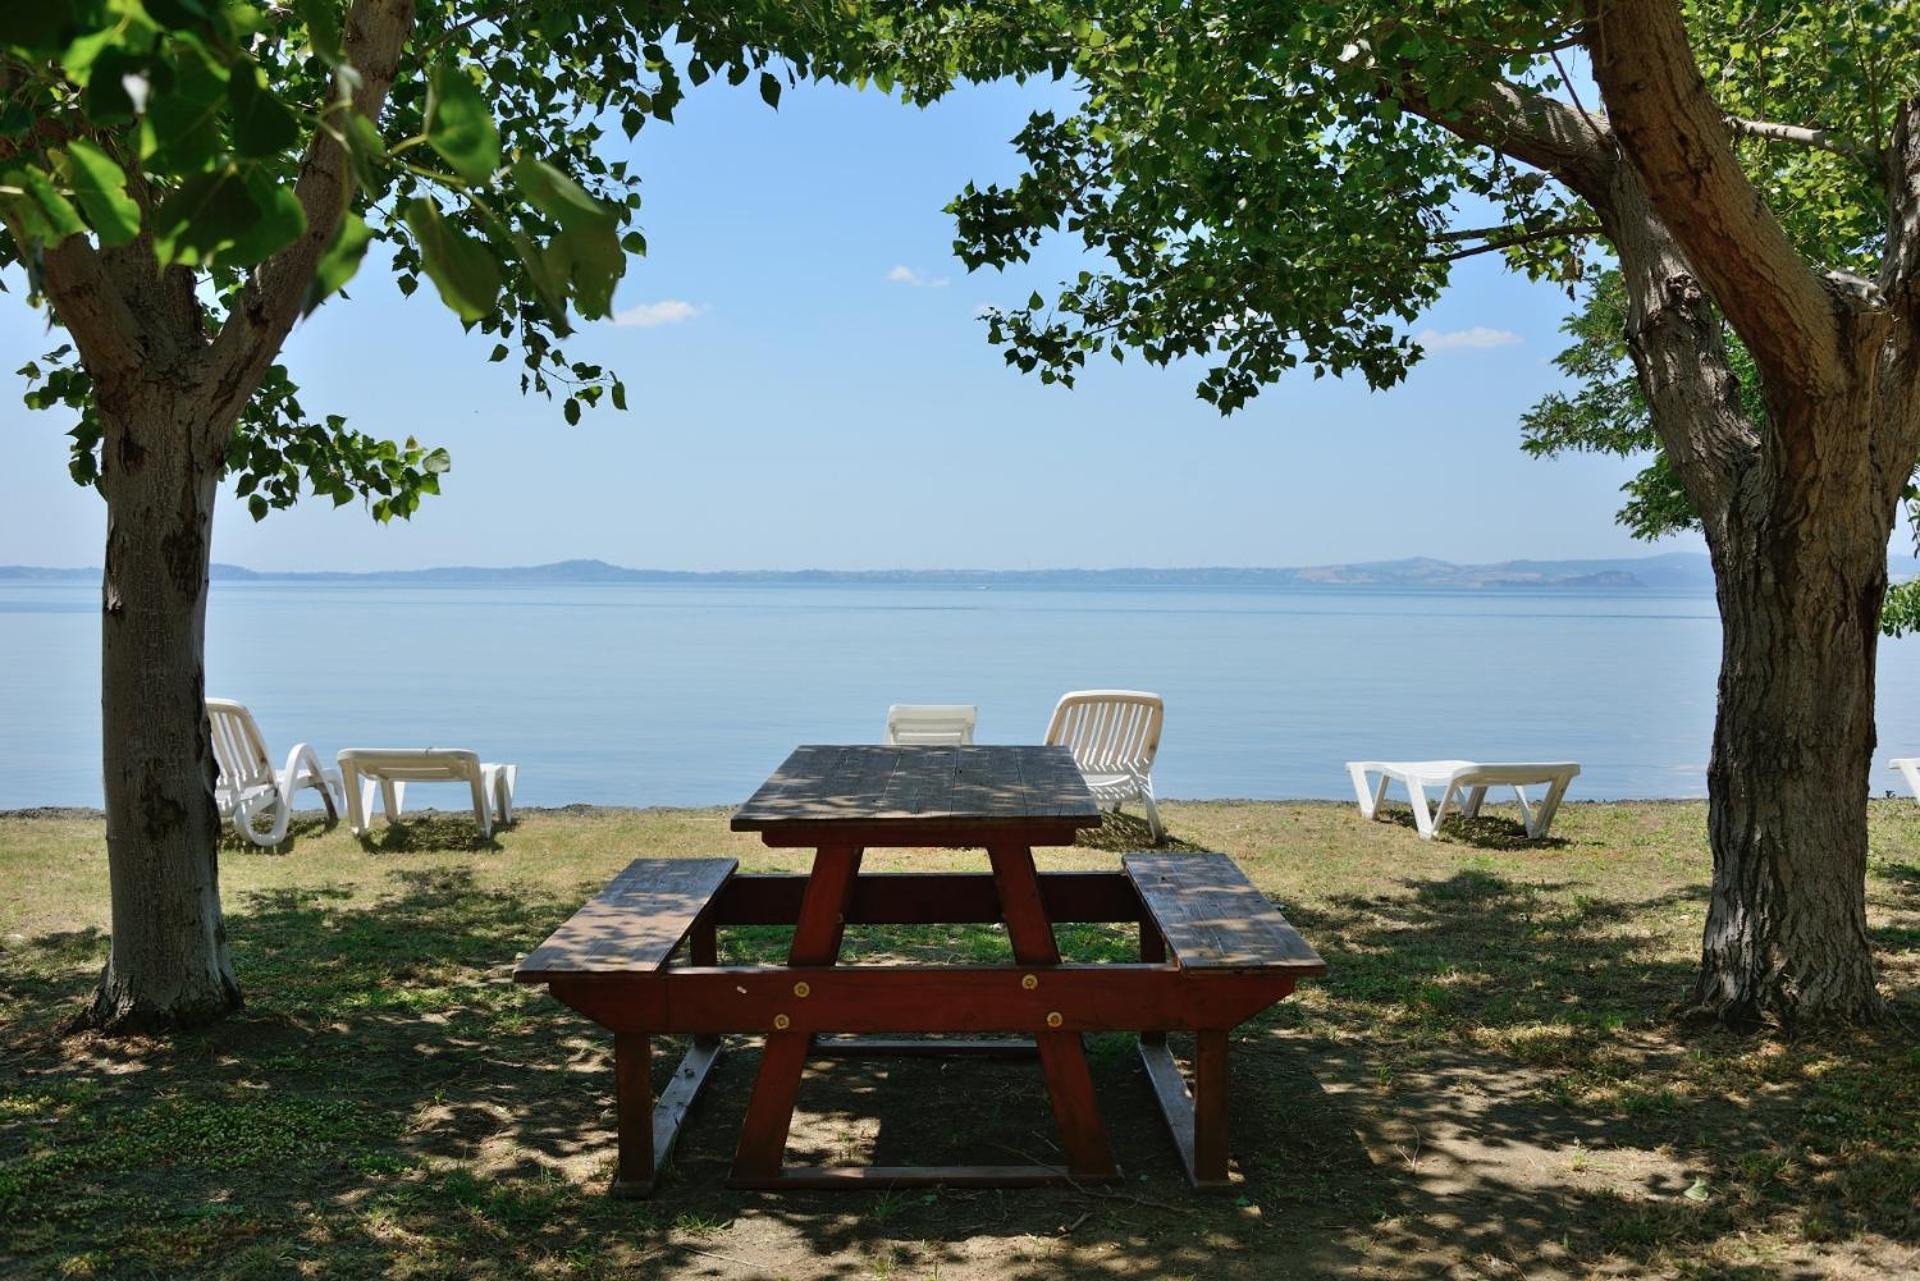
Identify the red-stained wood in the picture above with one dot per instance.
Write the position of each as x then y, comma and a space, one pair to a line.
874, 1047
1212, 917
648, 1128
632, 925
1153, 951
876, 1178
823, 908
821, 788
1210, 1106
763, 1134
927, 898
1063, 1058
1196, 1118
1103, 997
635, 1170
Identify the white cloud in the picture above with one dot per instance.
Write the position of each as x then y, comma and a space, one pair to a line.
1478, 338
904, 275
668, 311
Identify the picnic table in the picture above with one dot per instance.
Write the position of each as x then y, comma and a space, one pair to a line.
641, 960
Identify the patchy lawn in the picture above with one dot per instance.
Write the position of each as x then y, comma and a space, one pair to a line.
1489, 1082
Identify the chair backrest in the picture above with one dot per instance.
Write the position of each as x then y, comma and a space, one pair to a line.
931, 724
237, 746
1111, 731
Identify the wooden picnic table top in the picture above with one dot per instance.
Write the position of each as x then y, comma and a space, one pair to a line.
823, 789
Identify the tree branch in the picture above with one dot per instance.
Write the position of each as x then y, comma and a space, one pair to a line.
1900, 265
1679, 142
87, 302
1804, 136
1496, 241
1533, 129
266, 308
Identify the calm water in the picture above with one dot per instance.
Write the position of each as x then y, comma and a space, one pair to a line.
682, 695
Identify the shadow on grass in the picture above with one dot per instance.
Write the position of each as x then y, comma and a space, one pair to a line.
427, 832
1488, 831
391, 1103
1122, 832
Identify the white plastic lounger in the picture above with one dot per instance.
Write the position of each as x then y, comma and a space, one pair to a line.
1464, 783
392, 768
258, 801
1909, 767
1114, 734
934, 724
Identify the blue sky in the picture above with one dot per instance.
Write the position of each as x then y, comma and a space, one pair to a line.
809, 387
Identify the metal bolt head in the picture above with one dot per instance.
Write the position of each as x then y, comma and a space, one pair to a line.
1054, 1019
801, 989
781, 1022
1029, 981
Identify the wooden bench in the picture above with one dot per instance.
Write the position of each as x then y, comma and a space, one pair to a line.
640, 959
1204, 916
631, 929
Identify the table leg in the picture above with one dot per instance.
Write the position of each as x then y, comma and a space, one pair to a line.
1063, 1056
816, 941
633, 1108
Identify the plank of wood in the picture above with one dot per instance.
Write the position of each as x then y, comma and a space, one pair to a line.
1177, 1106
1212, 917
1099, 997
925, 898
822, 785
872, 1178
635, 923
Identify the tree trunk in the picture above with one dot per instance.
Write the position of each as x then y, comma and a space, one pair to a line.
1800, 563
168, 966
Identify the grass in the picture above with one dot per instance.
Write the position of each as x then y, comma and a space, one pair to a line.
1490, 1082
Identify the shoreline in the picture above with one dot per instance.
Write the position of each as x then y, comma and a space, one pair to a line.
588, 809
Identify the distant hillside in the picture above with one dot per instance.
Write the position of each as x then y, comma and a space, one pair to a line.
1672, 571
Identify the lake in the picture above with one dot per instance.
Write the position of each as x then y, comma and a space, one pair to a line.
689, 694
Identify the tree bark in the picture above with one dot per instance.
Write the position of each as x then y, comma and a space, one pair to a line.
168, 966
1801, 569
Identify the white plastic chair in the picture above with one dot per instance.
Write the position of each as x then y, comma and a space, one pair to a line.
1464, 782
931, 724
390, 769
249, 792
1114, 734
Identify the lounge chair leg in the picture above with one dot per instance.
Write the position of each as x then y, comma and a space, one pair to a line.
1154, 824
482, 805
1417, 798
1543, 816
1369, 797
1476, 797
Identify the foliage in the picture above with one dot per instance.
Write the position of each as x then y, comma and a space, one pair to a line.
177, 133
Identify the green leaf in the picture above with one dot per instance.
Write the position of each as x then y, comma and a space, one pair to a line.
341, 260
231, 217
100, 186
180, 132
459, 126
261, 125
323, 28
598, 262
40, 210
770, 89
549, 277
558, 196
461, 268
572, 411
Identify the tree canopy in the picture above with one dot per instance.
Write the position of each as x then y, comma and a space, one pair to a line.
251, 158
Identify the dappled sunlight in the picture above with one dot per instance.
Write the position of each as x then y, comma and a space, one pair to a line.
1489, 1078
